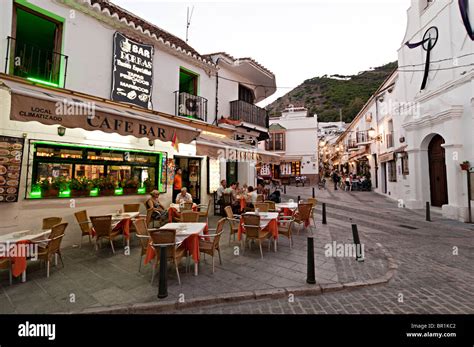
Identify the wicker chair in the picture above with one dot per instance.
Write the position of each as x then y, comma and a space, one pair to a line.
103, 230
84, 224
233, 220
260, 198
209, 243
271, 205
262, 206
162, 237
204, 211
52, 246
187, 206
253, 231
285, 224
143, 235
131, 208
49, 222
302, 213
189, 217
313, 201
6, 264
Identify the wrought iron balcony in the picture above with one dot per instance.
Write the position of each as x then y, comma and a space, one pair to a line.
362, 137
35, 63
190, 106
246, 112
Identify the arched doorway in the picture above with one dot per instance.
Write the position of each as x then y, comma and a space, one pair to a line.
437, 166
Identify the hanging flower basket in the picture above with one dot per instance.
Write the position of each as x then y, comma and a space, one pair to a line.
465, 166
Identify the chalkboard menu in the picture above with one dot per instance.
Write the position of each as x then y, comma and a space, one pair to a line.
11, 154
132, 75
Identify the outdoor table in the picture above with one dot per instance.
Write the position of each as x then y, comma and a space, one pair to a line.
268, 221
187, 234
242, 201
287, 207
22, 237
122, 221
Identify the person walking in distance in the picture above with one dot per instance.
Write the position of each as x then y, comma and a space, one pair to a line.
335, 179
177, 183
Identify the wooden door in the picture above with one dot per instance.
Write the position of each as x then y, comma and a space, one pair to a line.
437, 167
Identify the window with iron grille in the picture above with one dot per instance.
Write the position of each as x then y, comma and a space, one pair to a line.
276, 142
405, 170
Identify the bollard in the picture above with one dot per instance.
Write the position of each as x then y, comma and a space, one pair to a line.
313, 193
324, 213
163, 284
299, 198
355, 235
284, 188
311, 277
428, 212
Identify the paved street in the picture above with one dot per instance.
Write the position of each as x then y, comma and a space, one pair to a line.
430, 278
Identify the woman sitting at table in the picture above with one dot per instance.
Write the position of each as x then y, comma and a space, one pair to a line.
251, 197
159, 212
184, 196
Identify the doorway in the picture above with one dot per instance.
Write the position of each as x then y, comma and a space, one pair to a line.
191, 176
231, 172
437, 168
384, 177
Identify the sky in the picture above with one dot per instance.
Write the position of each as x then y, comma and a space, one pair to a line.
295, 40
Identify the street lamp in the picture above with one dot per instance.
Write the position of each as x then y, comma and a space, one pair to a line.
61, 130
371, 133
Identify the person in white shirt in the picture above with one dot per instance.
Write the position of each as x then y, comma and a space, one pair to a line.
252, 195
184, 196
221, 189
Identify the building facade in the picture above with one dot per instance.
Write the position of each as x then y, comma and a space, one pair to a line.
98, 106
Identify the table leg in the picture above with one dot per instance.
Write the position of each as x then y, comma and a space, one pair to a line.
23, 277
196, 268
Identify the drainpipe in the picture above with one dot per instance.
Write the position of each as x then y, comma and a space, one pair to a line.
217, 91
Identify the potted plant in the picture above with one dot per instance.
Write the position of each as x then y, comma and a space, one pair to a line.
80, 187
46, 188
107, 186
148, 185
130, 186
465, 165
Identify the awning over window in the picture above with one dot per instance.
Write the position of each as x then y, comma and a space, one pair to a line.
386, 157
222, 147
77, 110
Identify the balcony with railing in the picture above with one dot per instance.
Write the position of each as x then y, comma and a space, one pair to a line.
37, 64
246, 112
362, 137
351, 144
190, 106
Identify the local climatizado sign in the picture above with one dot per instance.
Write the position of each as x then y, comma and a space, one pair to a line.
132, 75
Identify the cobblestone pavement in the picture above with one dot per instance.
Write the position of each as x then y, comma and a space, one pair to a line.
435, 273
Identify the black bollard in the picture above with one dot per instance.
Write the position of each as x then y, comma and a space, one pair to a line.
299, 198
311, 277
284, 188
355, 235
428, 212
324, 213
163, 284
313, 193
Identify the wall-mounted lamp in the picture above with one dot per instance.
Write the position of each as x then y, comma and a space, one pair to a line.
61, 130
372, 135
151, 142
322, 143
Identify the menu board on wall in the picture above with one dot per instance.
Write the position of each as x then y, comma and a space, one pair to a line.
11, 154
213, 174
132, 75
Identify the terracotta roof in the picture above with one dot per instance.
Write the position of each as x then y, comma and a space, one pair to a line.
122, 14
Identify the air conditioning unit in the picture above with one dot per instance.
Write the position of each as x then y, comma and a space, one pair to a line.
189, 105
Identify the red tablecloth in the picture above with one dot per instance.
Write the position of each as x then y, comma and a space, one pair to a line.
272, 227
124, 225
243, 203
18, 263
191, 244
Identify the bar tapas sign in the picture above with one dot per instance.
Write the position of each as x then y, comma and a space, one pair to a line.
11, 154
132, 75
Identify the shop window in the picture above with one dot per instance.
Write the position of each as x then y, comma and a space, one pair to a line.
188, 82
137, 171
392, 171
36, 46
246, 94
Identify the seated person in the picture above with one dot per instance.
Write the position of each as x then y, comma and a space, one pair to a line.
153, 202
184, 196
251, 196
221, 189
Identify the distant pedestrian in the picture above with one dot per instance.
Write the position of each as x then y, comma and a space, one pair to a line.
335, 179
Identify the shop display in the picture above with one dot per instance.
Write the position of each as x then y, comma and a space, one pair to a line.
11, 154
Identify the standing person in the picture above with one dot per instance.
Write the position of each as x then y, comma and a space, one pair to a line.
221, 189
335, 179
177, 183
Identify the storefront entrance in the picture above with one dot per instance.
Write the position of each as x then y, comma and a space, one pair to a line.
191, 176
231, 172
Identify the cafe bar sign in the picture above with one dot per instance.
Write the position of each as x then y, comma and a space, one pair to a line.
132, 75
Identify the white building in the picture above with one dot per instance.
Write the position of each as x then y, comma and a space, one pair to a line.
138, 103
294, 136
